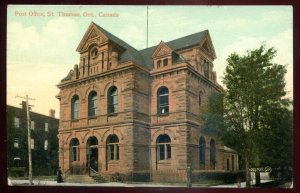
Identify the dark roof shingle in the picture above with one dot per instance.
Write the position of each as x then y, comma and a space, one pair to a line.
131, 54
177, 44
144, 56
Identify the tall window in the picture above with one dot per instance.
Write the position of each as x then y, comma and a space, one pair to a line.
158, 63
166, 62
16, 122
74, 149
202, 148
92, 104
32, 143
232, 162
212, 154
75, 107
46, 144
16, 143
164, 147
163, 100
112, 103
32, 125
228, 164
113, 148
46, 127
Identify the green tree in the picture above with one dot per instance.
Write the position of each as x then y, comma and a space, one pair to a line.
253, 85
276, 139
213, 115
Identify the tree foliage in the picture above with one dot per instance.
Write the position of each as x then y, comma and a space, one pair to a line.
213, 117
254, 85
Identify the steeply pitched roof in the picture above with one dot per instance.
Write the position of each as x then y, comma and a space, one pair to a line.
177, 44
131, 54
144, 56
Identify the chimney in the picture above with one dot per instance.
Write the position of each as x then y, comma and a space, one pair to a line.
76, 71
52, 113
24, 105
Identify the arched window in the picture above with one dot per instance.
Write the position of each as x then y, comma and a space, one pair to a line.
92, 153
112, 100
75, 107
92, 104
166, 62
74, 149
94, 52
212, 154
163, 100
112, 148
164, 147
202, 148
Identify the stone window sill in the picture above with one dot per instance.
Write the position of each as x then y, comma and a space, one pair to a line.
112, 114
92, 117
163, 114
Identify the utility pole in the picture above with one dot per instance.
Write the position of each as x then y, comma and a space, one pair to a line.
147, 29
28, 138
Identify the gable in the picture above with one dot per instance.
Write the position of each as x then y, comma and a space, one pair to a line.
92, 36
162, 50
207, 46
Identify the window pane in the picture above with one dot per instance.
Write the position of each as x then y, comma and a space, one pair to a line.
46, 126
158, 63
112, 100
115, 108
115, 99
164, 139
17, 122
32, 143
46, 144
165, 62
169, 151
74, 153
161, 152
163, 100
32, 125
16, 143
112, 155
75, 107
202, 151
117, 152
93, 104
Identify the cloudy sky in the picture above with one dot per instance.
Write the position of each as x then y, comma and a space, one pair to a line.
41, 40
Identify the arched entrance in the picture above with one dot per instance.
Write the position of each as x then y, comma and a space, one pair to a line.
74, 156
92, 153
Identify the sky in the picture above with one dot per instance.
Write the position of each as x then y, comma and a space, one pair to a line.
42, 40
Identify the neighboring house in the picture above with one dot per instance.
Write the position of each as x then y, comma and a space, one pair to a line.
138, 112
44, 141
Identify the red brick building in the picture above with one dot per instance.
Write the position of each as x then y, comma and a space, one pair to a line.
137, 112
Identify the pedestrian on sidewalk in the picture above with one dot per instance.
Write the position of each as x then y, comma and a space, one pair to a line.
238, 183
59, 178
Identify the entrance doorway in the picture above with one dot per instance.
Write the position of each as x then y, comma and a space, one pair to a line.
92, 153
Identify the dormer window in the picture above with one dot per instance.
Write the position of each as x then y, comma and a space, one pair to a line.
94, 52
158, 63
166, 62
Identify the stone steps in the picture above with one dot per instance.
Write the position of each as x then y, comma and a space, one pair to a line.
85, 179
99, 179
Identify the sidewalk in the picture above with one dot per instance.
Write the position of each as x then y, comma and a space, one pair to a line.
14, 182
